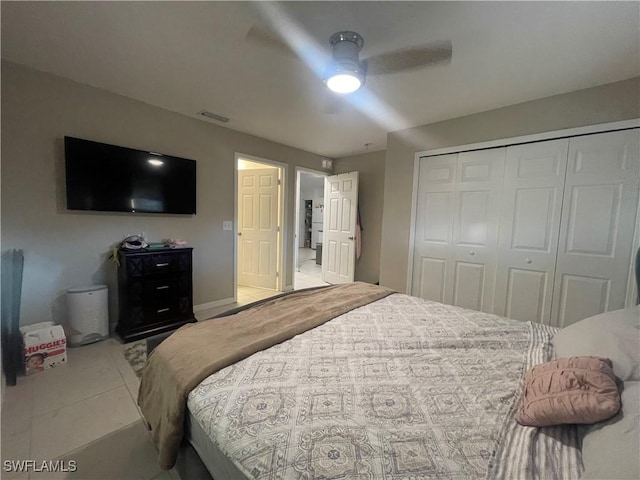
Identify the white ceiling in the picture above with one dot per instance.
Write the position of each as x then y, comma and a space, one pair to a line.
193, 56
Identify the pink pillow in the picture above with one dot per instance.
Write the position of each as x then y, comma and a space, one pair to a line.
569, 390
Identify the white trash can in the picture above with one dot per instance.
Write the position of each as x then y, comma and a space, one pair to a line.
88, 314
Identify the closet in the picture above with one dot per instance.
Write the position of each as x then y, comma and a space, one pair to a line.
538, 231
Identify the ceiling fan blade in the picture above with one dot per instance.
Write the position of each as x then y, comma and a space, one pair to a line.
269, 40
410, 58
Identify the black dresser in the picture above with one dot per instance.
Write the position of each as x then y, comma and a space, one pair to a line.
154, 291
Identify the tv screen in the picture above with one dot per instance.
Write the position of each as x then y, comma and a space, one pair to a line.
108, 178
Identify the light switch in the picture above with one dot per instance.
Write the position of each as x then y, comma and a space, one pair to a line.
227, 225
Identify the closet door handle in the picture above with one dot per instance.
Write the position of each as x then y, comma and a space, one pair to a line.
163, 310
162, 264
528, 260
163, 287
472, 253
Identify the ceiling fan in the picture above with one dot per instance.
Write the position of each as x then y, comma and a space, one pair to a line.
346, 73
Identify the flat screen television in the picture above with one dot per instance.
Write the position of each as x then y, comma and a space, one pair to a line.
104, 177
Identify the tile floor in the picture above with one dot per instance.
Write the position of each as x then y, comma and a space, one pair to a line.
56, 412
309, 274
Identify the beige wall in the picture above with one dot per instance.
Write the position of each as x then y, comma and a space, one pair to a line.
607, 103
64, 249
370, 202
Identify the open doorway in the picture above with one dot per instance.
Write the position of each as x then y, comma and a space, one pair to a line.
309, 228
259, 219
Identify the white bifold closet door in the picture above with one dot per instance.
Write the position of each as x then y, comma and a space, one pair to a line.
597, 226
455, 244
529, 229
549, 241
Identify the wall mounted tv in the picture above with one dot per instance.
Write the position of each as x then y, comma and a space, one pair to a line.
108, 178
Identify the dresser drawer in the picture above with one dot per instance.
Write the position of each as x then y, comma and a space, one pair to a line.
161, 311
154, 290
160, 263
142, 265
166, 262
162, 286
161, 308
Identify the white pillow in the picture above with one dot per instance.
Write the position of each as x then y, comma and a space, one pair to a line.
614, 335
610, 449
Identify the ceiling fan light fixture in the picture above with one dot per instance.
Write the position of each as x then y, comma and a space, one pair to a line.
344, 82
345, 73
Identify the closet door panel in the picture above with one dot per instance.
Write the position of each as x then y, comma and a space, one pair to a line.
527, 294
475, 233
438, 212
598, 220
534, 212
469, 285
473, 218
455, 242
432, 279
433, 240
594, 211
529, 226
582, 297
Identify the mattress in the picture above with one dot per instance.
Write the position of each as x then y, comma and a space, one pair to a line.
400, 388
219, 466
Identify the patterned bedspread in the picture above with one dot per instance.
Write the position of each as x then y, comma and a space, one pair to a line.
398, 389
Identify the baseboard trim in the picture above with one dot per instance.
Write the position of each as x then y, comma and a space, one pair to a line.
214, 304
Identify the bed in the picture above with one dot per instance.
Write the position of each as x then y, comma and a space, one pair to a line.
394, 388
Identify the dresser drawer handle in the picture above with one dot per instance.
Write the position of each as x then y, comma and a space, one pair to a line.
162, 264
163, 310
163, 287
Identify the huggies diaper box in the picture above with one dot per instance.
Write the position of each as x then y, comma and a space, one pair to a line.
45, 346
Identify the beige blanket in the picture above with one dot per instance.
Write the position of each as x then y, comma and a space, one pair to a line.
200, 349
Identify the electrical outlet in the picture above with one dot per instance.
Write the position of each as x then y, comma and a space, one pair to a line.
227, 225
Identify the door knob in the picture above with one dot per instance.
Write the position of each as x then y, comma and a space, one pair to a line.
352, 238
528, 260
472, 253
239, 234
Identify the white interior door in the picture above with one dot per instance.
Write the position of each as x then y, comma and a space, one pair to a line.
596, 231
529, 226
258, 227
455, 244
340, 212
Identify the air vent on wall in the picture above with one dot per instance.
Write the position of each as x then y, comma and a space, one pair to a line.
213, 116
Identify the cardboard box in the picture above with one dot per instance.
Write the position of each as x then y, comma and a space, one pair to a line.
45, 346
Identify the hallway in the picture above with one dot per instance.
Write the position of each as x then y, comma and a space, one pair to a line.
309, 273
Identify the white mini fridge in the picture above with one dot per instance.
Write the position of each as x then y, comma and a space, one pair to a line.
88, 314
